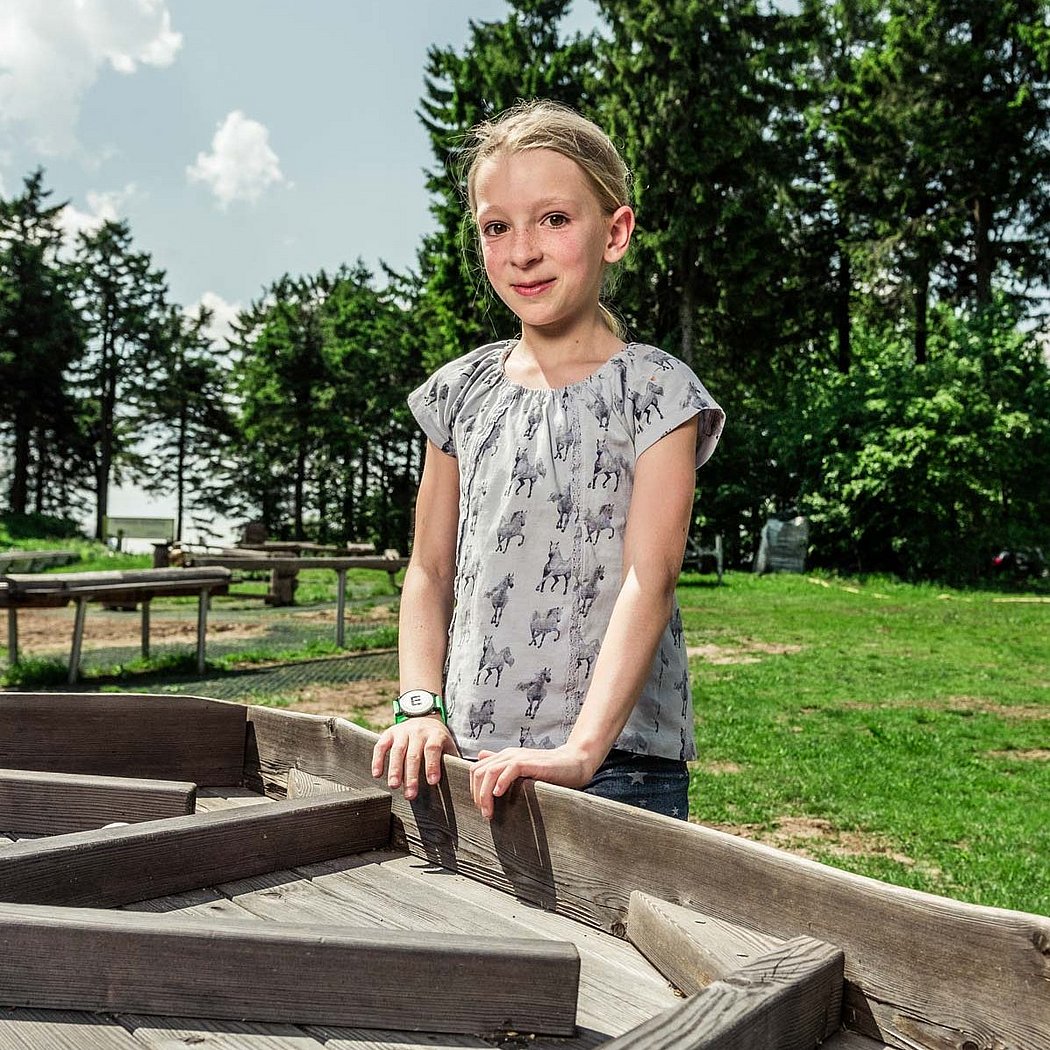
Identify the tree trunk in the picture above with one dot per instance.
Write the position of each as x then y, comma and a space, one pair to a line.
40, 487
983, 261
843, 285
180, 474
921, 302
686, 320
19, 491
300, 489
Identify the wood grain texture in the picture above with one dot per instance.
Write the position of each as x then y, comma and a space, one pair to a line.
85, 958
691, 950
167, 737
306, 785
119, 865
30, 1029
788, 999
55, 803
922, 971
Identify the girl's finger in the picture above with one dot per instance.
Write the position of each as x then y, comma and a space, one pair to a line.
412, 759
379, 753
396, 762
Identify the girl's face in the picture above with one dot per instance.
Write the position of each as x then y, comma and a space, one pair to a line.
544, 238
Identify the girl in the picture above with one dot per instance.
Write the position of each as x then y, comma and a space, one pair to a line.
554, 503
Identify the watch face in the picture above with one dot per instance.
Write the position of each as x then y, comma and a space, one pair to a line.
417, 702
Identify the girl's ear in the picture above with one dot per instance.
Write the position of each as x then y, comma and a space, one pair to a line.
621, 226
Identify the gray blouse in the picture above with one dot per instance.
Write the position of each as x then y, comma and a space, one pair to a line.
545, 484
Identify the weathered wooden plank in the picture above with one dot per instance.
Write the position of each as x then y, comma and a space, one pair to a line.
922, 970
29, 1029
844, 1040
211, 799
691, 950
306, 785
82, 582
788, 999
123, 734
86, 958
54, 803
181, 1033
119, 865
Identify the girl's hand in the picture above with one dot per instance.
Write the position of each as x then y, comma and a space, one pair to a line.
495, 771
414, 741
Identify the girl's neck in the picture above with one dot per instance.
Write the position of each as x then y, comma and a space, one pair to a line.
545, 359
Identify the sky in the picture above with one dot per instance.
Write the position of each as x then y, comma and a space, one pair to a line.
242, 139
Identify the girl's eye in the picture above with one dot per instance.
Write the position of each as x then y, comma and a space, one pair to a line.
494, 229
557, 220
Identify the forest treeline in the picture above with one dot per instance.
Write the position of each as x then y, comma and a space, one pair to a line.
844, 226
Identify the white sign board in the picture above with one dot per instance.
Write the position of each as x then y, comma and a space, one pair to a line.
140, 528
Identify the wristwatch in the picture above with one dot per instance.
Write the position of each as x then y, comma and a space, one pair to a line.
419, 702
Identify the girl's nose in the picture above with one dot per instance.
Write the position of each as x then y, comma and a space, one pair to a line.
524, 249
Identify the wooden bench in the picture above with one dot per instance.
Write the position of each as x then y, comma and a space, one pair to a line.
694, 555
284, 572
35, 561
140, 586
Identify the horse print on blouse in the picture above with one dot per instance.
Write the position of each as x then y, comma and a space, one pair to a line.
562, 500
676, 627
556, 567
541, 626
526, 739
682, 687
480, 716
661, 359
438, 394
648, 402
511, 528
491, 443
600, 409
611, 465
565, 440
493, 660
499, 596
596, 524
585, 652
532, 422
588, 589
535, 690
525, 472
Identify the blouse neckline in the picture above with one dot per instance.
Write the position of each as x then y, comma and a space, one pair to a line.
508, 346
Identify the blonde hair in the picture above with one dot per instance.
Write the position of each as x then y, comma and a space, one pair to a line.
542, 124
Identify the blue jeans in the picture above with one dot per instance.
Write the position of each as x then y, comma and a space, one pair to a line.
659, 785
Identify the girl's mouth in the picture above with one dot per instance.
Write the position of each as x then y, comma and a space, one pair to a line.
533, 287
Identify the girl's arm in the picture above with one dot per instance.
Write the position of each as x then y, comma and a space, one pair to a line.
654, 542
426, 610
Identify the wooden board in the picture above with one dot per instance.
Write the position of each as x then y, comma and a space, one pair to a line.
788, 999
79, 958
921, 970
55, 803
119, 865
691, 950
123, 734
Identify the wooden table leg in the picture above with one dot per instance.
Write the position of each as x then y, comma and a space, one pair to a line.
12, 636
78, 638
340, 608
145, 628
202, 627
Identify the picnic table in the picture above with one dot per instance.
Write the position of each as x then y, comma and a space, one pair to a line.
55, 590
284, 569
35, 561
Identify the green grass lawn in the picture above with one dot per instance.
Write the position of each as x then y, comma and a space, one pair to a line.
899, 731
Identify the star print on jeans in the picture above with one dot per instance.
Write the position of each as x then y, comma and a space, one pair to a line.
637, 778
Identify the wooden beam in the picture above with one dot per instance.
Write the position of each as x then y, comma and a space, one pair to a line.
921, 970
788, 999
117, 734
121, 865
691, 950
54, 803
71, 958
306, 785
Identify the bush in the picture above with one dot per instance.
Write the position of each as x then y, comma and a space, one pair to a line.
14, 527
926, 471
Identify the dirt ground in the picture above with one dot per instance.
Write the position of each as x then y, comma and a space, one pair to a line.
747, 651
368, 700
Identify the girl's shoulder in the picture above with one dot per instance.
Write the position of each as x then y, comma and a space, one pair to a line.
480, 362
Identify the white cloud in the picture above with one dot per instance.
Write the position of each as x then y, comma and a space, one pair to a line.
220, 328
241, 165
102, 207
51, 52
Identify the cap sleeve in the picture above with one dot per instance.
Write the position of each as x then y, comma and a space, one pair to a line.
665, 393
436, 402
